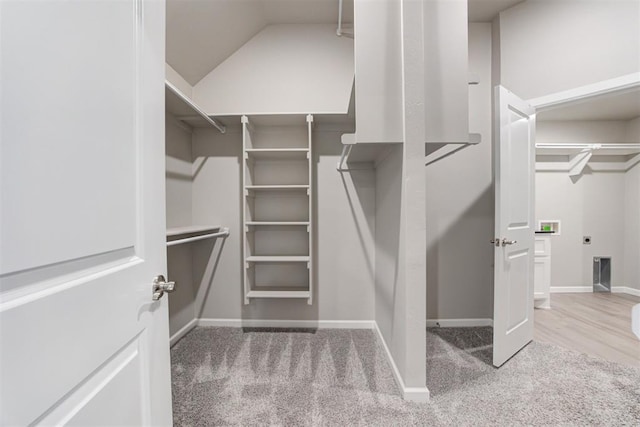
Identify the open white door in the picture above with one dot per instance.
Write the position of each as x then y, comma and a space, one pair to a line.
514, 164
82, 214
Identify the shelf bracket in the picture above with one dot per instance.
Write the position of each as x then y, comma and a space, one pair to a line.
444, 150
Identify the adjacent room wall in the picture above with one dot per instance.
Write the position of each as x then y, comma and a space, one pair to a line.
632, 228
178, 209
596, 204
591, 205
632, 213
283, 69
460, 207
548, 46
344, 235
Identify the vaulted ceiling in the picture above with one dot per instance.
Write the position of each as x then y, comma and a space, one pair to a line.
201, 34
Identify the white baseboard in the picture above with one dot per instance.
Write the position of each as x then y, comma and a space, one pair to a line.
307, 324
458, 323
182, 332
589, 289
625, 290
570, 289
413, 394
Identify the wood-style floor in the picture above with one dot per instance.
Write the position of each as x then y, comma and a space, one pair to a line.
598, 324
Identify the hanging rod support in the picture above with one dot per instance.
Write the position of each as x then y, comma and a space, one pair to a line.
346, 151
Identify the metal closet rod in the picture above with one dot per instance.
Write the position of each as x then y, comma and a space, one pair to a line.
223, 232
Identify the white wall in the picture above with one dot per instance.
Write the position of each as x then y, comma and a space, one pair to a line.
283, 69
548, 46
345, 224
178, 209
574, 131
632, 228
633, 131
596, 204
460, 207
632, 213
593, 205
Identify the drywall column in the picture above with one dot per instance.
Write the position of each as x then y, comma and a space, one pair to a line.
378, 65
413, 219
401, 220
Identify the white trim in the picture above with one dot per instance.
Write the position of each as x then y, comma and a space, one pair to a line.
621, 83
625, 290
412, 394
310, 324
458, 323
182, 332
570, 289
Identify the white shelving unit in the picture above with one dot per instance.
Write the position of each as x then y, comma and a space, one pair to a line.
278, 205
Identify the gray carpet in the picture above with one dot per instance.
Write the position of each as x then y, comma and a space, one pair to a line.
227, 376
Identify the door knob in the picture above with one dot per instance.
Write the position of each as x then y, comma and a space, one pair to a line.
160, 286
506, 242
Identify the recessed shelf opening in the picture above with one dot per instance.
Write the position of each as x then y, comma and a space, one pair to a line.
551, 226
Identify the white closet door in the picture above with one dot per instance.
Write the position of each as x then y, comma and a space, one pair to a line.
82, 213
514, 198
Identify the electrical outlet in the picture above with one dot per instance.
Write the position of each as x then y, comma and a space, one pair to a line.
586, 240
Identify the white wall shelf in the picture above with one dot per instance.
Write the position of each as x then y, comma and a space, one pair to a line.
276, 223
278, 182
185, 110
277, 187
275, 293
181, 235
283, 258
277, 154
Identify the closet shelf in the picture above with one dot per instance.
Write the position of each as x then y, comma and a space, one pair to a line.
281, 223
277, 187
185, 110
294, 293
277, 153
180, 235
278, 258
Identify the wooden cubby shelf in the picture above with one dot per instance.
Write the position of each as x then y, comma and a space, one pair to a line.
278, 188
